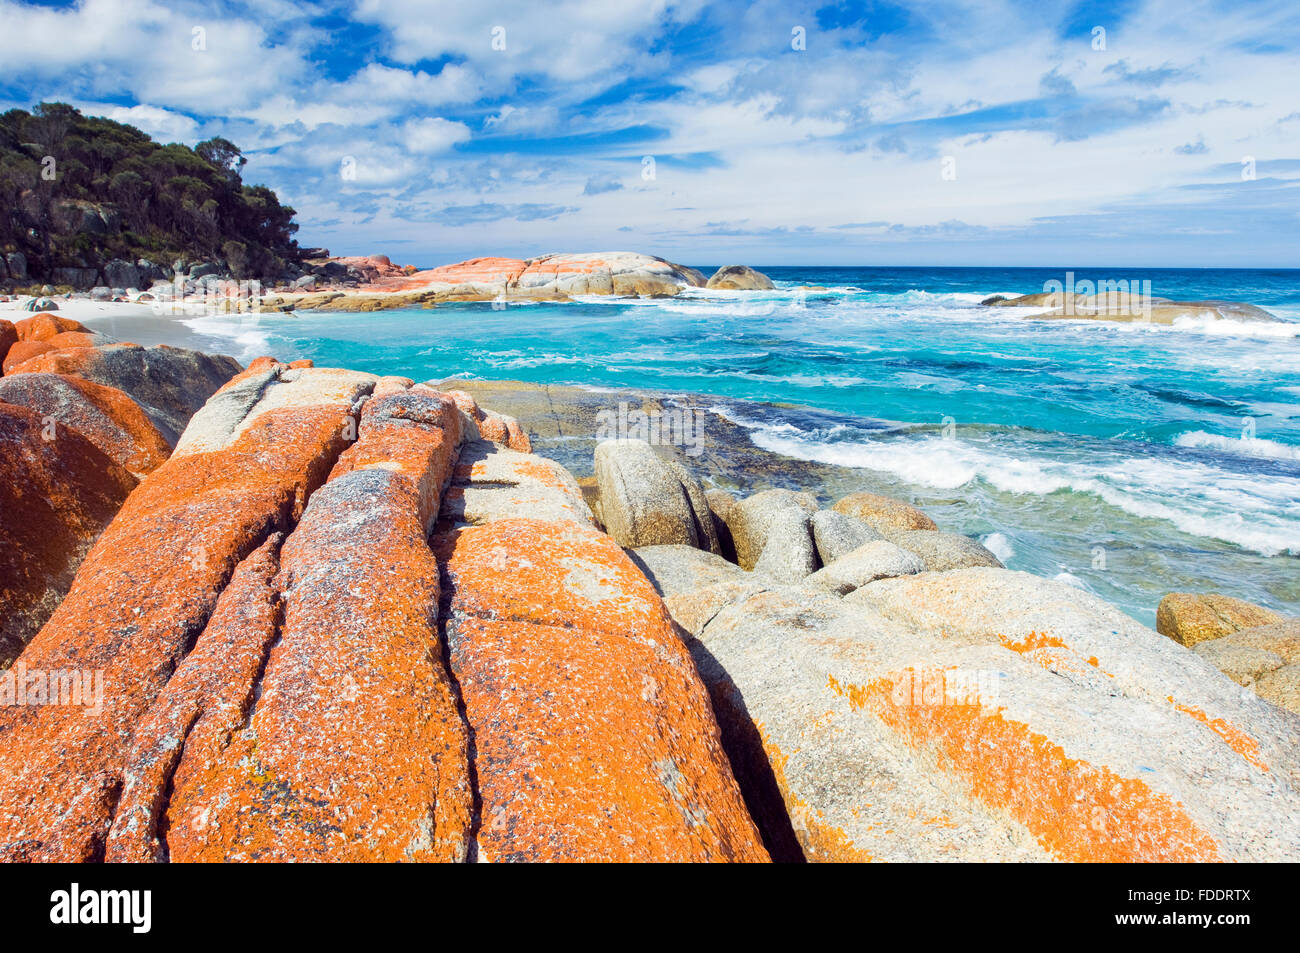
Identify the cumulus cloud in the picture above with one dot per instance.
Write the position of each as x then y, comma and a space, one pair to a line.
433, 134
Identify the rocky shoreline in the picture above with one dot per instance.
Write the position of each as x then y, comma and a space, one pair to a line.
374, 283
341, 616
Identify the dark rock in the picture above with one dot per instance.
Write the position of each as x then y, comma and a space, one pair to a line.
122, 274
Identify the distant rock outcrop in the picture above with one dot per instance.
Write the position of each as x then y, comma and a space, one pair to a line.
740, 278
1127, 307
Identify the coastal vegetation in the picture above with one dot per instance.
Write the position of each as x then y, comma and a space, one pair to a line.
79, 192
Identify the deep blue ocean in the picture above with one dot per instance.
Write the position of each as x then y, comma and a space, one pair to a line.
1130, 460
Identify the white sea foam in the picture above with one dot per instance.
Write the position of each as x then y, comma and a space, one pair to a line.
1208, 324
245, 330
1245, 446
999, 544
1261, 513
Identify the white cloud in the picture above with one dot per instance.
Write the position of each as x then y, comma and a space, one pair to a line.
163, 124
433, 135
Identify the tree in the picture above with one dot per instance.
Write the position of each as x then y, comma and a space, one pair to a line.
224, 154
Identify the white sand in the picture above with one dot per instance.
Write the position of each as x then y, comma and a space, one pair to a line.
148, 323
86, 311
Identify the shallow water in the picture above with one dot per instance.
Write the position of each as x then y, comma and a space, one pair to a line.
1131, 460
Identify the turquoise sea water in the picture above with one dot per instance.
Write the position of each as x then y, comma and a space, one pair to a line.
1127, 459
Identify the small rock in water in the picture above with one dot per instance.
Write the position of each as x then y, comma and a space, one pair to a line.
740, 278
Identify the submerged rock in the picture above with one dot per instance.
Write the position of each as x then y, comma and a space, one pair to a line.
1125, 306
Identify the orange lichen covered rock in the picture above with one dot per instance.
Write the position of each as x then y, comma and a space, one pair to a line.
414, 432
197, 713
593, 735
57, 493
475, 271
491, 482
110, 419
8, 338
142, 596
169, 383
991, 715
71, 339
547, 276
354, 749
499, 428
43, 327
23, 351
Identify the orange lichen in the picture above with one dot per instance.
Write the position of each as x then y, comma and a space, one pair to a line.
42, 327
1034, 640
593, 735
105, 416
1234, 737
146, 587
1051, 652
1078, 811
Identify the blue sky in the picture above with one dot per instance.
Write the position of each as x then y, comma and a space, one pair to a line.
1036, 133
